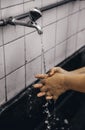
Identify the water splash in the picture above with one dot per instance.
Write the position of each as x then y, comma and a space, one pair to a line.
48, 115
29, 102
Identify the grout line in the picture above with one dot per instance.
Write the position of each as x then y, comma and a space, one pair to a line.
67, 33
4, 67
77, 29
24, 48
15, 5
55, 39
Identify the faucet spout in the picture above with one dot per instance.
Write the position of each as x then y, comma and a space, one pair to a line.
36, 26
33, 16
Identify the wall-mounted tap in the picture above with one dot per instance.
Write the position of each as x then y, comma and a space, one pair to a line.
34, 14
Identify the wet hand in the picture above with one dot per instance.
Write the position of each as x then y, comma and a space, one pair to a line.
56, 70
51, 86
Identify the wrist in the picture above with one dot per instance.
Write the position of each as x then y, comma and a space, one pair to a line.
67, 81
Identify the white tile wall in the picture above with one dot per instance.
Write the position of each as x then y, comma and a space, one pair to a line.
71, 45
32, 69
81, 20
15, 82
61, 32
49, 17
49, 59
47, 2
21, 47
82, 4
27, 0
1, 42
5, 3
49, 36
62, 11
2, 91
33, 46
0, 32
80, 39
14, 55
1, 62
73, 24
60, 53
12, 32
74, 7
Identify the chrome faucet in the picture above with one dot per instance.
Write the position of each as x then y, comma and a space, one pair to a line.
34, 14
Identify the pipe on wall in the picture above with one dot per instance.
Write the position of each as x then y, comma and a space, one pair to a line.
4, 22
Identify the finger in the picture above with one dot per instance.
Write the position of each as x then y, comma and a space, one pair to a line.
49, 97
53, 70
41, 94
55, 97
44, 89
41, 76
39, 85
48, 94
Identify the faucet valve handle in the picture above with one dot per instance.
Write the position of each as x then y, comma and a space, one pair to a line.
35, 14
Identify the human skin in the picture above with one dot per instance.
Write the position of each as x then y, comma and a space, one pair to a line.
58, 81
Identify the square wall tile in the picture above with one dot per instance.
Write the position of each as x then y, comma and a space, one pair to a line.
61, 31
2, 91
71, 45
48, 2
49, 16
11, 32
32, 69
6, 3
27, 0
15, 82
73, 24
49, 59
62, 11
1, 62
60, 53
74, 7
81, 20
0, 32
33, 46
1, 43
49, 36
14, 55
80, 39
82, 4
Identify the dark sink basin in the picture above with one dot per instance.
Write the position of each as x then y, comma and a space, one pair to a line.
26, 113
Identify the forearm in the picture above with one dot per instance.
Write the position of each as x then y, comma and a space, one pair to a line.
75, 82
79, 71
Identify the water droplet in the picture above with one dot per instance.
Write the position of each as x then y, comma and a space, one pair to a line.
48, 127
62, 128
57, 119
66, 121
46, 121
